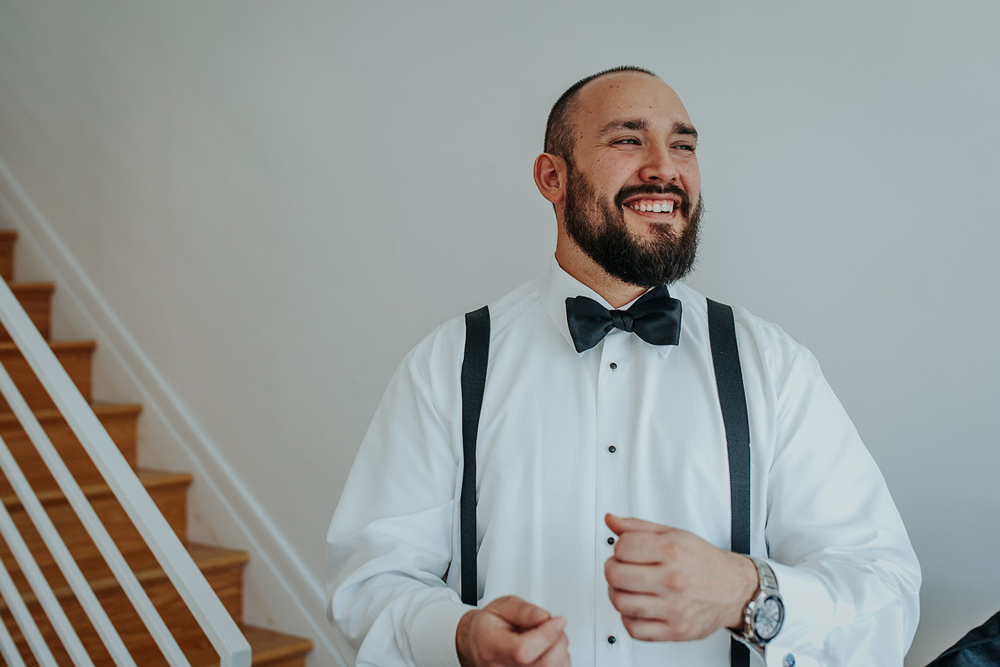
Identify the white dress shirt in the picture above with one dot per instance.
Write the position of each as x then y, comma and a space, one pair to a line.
820, 511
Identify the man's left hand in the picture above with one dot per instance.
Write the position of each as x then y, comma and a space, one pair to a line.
671, 585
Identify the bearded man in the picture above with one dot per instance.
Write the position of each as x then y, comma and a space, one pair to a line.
605, 499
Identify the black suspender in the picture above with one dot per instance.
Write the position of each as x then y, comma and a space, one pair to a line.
732, 399
477, 354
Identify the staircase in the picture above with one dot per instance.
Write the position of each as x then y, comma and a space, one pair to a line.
222, 567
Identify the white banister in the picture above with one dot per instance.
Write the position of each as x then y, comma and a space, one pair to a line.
204, 604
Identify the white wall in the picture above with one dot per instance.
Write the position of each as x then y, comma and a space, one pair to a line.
260, 207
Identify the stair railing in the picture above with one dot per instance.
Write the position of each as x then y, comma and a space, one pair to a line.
194, 589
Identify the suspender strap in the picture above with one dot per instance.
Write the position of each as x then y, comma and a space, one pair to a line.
733, 400
729, 380
477, 354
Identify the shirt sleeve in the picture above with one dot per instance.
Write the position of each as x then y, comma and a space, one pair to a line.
844, 564
390, 540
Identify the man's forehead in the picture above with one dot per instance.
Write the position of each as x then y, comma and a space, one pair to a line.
629, 95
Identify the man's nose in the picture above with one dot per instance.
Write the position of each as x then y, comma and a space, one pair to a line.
659, 166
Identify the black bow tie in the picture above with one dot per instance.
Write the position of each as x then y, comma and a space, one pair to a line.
655, 318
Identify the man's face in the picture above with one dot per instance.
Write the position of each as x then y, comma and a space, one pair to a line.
633, 199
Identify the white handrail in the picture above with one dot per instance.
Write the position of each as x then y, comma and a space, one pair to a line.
204, 604
84, 593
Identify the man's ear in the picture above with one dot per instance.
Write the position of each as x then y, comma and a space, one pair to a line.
550, 177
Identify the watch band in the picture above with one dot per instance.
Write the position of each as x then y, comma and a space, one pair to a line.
768, 582
767, 594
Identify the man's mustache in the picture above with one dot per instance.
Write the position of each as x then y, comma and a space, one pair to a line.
654, 189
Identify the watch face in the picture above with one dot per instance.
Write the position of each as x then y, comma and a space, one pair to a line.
768, 617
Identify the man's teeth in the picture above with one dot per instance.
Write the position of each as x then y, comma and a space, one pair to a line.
654, 206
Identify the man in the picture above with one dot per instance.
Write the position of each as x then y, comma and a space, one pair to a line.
603, 481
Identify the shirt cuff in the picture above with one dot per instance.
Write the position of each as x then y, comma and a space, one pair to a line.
432, 633
809, 613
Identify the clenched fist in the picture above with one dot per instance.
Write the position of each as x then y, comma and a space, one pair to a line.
671, 585
511, 631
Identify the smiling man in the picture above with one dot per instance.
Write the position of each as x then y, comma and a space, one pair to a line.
608, 498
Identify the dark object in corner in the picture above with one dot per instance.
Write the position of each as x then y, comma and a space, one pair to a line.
979, 648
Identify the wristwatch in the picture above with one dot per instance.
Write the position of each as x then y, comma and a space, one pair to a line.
763, 615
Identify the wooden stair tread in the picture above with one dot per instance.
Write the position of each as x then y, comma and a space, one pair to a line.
9, 347
36, 299
76, 356
148, 569
108, 408
150, 479
145, 566
120, 421
268, 646
47, 415
25, 287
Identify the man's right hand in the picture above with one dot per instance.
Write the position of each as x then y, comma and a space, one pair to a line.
510, 631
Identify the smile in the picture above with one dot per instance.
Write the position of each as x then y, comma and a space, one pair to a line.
652, 205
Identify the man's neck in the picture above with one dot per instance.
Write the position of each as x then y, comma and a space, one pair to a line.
577, 264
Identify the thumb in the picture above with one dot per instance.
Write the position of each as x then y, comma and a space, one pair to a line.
519, 612
614, 523
619, 525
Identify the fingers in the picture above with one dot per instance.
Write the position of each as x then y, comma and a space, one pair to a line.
533, 644
639, 605
558, 655
519, 612
633, 578
657, 618
647, 547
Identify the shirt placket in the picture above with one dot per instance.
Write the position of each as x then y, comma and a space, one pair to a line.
613, 645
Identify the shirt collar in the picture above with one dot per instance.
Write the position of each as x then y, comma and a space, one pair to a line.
557, 286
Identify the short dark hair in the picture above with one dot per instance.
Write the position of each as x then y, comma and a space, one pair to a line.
559, 129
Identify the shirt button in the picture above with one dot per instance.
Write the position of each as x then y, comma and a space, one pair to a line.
789, 661
611, 540
613, 365
611, 639
612, 449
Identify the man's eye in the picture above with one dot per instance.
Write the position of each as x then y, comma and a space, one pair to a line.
630, 142
686, 147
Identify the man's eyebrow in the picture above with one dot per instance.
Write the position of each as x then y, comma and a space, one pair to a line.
684, 128
640, 125
635, 124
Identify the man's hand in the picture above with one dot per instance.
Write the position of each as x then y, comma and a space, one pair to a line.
671, 585
510, 631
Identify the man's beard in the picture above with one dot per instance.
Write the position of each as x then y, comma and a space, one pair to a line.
600, 230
